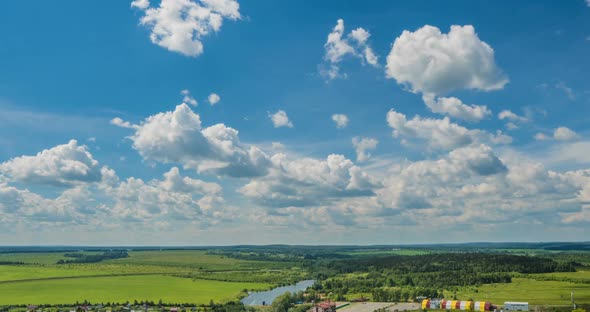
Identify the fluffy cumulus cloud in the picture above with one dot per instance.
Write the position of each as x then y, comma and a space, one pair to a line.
439, 133
174, 197
62, 165
280, 119
178, 137
214, 98
308, 182
430, 61
338, 47
180, 25
560, 134
455, 108
362, 146
111, 201
341, 120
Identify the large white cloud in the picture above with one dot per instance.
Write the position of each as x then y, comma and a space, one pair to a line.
454, 107
429, 61
440, 133
338, 47
175, 197
308, 182
178, 137
63, 165
180, 25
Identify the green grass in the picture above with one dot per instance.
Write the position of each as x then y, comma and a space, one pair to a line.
35, 257
122, 288
194, 259
26, 272
529, 290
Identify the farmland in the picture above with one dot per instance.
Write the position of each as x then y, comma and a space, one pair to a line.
144, 275
121, 289
532, 291
223, 274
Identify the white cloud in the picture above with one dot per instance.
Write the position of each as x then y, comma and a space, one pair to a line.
362, 145
440, 133
338, 47
280, 119
62, 165
180, 25
588, 3
187, 98
429, 61
453, 107
569, 92
121, 123
341, 120
560, 134
540, 137
513, 119
175, 197
564, 134
308, 182
140, 4
178, 137
214, 98
509, 115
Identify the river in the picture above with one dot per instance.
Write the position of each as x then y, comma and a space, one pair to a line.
267, 297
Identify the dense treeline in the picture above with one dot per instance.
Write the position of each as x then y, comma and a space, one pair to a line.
400, 278
11, 262
86, 258
450, 262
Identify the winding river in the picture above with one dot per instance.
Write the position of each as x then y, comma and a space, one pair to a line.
267, 297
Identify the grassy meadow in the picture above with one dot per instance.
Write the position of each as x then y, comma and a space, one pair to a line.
525, 289
121, 289
197, 277
173, 276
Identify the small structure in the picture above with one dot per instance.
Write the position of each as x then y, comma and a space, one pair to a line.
326, 306
31, 308
174, 309
477, 306
516, 306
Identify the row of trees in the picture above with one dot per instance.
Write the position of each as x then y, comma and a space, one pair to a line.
91, 258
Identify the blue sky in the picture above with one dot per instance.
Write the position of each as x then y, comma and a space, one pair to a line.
460, 121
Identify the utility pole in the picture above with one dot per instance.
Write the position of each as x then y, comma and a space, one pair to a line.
573, 302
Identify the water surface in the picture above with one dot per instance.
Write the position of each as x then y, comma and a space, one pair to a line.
258, 297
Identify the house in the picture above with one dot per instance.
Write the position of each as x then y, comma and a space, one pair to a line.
516, 306
326, 306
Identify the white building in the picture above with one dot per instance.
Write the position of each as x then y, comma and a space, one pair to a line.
516, 306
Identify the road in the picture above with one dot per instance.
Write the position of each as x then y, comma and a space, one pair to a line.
372, 306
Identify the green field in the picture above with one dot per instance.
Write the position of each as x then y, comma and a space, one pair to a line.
197, 276
36, 257
121, 289
194, 259
529, 290
173, 276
